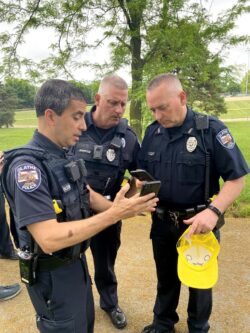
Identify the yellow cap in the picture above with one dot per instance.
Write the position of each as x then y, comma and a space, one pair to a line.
197, 260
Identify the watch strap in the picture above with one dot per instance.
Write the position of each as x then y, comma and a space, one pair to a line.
215, 210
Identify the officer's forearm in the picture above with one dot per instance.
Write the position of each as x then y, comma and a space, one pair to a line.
228, 193
98, 203
53, 236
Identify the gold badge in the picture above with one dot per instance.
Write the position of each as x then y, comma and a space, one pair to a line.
191, 144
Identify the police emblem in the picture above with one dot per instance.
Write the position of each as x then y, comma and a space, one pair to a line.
123, 141
225, 139
110, 155
28, 177
191, 144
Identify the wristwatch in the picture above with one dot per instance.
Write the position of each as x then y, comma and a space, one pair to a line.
215, 210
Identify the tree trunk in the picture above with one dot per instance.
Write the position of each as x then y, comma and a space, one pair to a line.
136, 104
137, 65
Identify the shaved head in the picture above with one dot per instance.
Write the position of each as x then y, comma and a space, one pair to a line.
170, 80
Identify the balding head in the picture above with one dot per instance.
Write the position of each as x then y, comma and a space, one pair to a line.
114, 81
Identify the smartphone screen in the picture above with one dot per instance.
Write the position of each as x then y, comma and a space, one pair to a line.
142, 175
149, 187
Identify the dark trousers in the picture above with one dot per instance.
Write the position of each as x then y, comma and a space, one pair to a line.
104, 247
63, 299
164, 235
6, 246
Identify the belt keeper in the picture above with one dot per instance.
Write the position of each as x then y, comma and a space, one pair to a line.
201, 208
190, 212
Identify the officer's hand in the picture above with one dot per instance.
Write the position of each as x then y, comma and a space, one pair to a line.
202, 222
138, 183
128, 207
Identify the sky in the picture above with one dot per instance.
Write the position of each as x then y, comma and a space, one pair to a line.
236, 56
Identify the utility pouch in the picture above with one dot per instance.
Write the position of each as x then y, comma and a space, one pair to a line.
27, 265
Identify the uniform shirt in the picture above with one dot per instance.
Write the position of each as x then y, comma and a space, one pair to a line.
176, 156
129, 150
28, 184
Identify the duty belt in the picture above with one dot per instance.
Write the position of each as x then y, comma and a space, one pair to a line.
177, 216
50, 263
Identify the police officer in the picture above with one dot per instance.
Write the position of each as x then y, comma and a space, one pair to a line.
46, 190
109, 147
188, 152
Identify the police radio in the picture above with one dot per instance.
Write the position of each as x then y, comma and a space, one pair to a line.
27, 265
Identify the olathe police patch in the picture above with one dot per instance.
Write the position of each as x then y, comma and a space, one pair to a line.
28, 177
225, 139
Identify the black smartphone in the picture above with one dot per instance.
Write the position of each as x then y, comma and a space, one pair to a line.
149, 187
142, 175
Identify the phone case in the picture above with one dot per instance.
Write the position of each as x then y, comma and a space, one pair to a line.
142, 175
149, 187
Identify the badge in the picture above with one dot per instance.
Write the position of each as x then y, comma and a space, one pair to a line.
191, 144
28, 177
110, 155
123, 141
225, 139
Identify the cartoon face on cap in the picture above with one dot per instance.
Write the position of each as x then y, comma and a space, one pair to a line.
197, 255
197, 260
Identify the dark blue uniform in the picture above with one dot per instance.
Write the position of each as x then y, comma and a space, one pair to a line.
61, 294
107, 153
176, 156
6, 246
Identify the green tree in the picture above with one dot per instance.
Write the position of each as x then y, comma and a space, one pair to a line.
245, 83
8, 104
150, 36
89, 90
231, 80
25, 91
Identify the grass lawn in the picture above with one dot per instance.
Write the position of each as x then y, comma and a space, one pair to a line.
237, 109
25, 117
14, 137
240, 132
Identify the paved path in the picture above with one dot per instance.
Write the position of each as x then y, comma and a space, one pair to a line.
137, 284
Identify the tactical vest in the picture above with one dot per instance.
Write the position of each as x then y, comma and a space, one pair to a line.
69, 192
103, 162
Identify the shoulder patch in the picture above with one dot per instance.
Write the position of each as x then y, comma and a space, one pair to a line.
225, 139
28, 177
